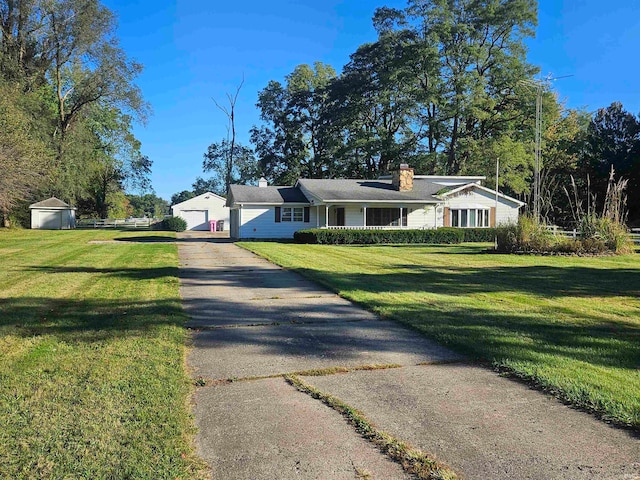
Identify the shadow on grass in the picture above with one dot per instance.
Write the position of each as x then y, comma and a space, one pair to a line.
490, 332
148, 239
544, 281
86, 320
127, 273
168, 239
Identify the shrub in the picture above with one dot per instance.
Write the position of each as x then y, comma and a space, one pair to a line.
596, 236
369, 237
479, 234
604, 230
173, 224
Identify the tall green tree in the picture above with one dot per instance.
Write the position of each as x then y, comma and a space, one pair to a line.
298, 138
613, 140
469, 59
375, 104
212, 184
23, 155
64, 56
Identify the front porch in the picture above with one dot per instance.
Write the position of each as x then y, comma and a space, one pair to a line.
378, 217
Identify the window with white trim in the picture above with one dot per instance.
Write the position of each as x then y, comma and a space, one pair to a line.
470, 217
292, 214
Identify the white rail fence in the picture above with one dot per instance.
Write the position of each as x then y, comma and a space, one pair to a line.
116, 222
634, 233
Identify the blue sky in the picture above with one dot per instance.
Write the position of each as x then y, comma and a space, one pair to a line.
196, 50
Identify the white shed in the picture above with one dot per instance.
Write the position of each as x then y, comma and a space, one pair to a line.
52, 214
198, 211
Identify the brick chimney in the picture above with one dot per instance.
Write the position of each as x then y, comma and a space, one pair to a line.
403, 178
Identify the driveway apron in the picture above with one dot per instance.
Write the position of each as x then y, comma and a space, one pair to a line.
253, 321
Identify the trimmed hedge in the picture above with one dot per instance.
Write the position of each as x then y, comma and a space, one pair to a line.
479, 234
172, 224
444, 235
323, 236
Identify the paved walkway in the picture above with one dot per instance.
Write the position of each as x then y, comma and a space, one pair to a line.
252, 319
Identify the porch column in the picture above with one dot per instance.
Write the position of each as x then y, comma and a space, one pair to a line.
326, 216
317, 216
364, 215
401, 209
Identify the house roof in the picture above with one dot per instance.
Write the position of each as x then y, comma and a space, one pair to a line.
52, 202
205, 194
381, 190
485, 189
425, 190
265, 195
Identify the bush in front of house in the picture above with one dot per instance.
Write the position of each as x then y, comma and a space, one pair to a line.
595, 236
323, 236
479, 234
172, 224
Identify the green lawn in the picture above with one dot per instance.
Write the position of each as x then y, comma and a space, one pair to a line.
92, 372
568, 324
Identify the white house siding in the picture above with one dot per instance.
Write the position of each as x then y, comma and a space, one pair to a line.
259, 222
201, 207
421, 216
507, 211
353, 216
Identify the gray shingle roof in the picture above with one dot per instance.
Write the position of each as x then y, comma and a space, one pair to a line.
267, 195
370, 190
52, 202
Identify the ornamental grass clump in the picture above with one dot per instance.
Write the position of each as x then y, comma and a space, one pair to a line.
595, 232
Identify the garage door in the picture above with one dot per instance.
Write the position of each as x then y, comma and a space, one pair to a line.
50, 219
196, 219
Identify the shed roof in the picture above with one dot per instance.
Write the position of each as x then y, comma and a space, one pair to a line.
52, 202
266, 195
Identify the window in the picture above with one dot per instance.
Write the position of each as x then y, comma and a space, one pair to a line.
470, 217
386, 217
292, 214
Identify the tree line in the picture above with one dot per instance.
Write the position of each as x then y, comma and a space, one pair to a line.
68, 101
446, 88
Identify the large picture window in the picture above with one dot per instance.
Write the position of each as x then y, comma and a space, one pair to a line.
386, 217
470, 217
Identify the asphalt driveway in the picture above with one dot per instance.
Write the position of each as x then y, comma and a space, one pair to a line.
253, 321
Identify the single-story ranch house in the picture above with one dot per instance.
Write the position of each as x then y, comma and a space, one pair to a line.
403, 200
198, 211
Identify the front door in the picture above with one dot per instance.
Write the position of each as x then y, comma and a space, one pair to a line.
340, 216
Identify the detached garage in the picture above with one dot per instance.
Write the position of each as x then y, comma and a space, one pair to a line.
52, 214
198, 211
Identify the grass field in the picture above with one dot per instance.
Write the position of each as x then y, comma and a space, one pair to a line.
570, 325
92, 377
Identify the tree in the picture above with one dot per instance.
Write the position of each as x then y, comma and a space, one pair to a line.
299, 138
468, 58
111, 160
212, 184
377, 108
227, 158
22, 155
148, 205
613, 141
64, 60
216, 160
181, 197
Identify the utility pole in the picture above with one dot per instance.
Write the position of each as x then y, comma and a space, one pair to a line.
540, 86
495, 242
